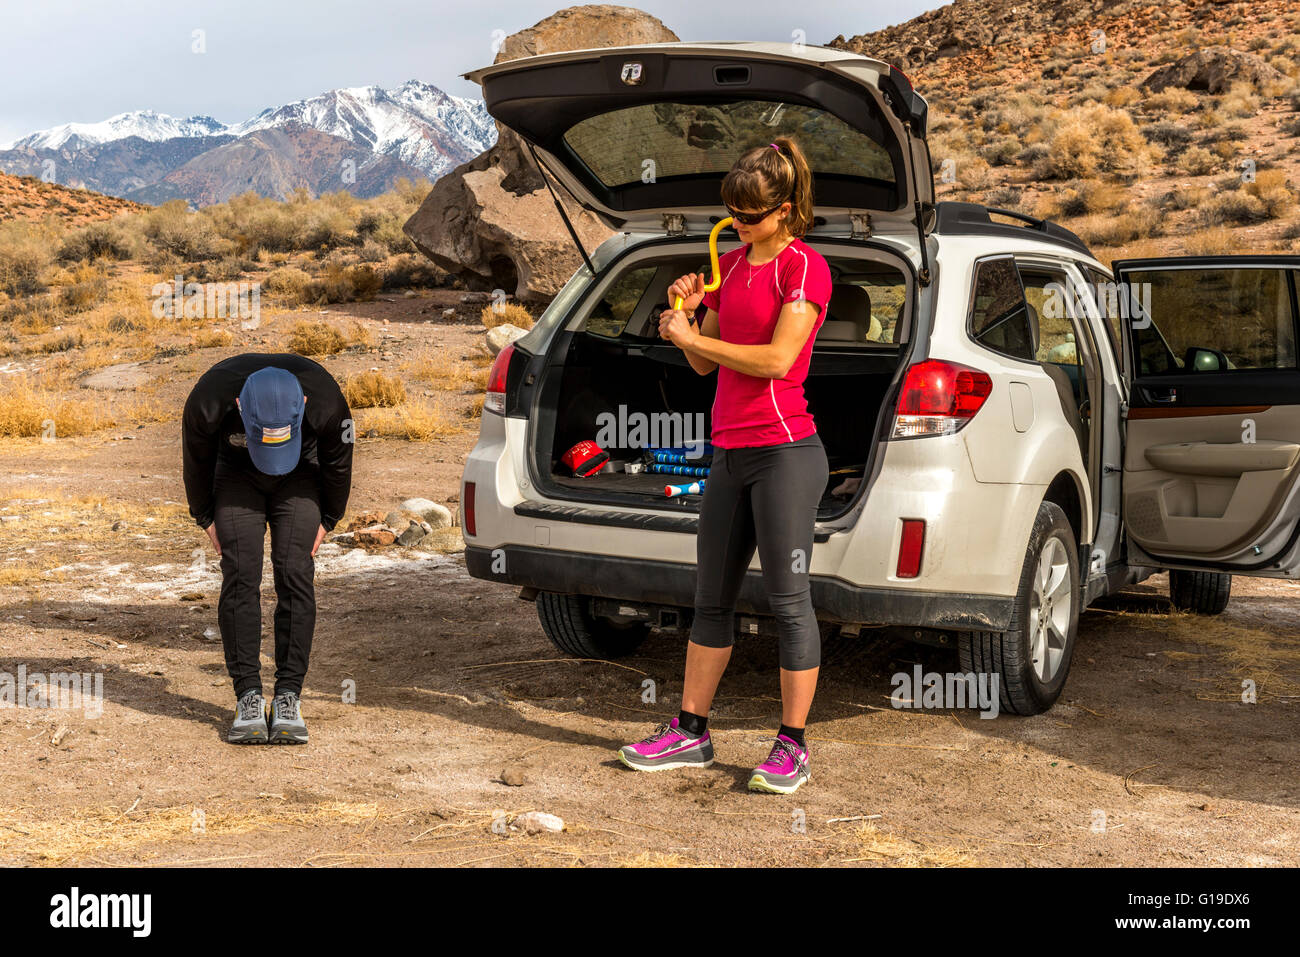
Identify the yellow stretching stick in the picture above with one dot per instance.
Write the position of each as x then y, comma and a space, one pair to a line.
716, 281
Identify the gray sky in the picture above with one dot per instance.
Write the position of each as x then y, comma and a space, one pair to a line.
67, 61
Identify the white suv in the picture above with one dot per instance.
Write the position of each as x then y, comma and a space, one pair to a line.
1006, 445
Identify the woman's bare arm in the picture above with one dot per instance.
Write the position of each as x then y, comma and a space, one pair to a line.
705, 350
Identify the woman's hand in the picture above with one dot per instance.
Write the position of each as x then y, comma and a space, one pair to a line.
691, 288
676, 328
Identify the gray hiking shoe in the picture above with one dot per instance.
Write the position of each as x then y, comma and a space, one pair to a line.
249, 726
287, 726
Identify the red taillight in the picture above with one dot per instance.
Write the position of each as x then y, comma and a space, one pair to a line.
939, 397
910, 547
495, 400
467, 509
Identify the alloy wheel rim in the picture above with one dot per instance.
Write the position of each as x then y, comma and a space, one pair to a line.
1050, 610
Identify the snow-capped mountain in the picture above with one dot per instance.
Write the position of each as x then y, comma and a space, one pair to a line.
146, 124
416, 123
414, 130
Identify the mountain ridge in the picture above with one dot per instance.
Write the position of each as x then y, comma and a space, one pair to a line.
414, 130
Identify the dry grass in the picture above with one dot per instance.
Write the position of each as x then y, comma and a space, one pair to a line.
29, 410
1210, 242
506, 313
212, 338
54, 839
1271, 659
419, 420
887, 849
312, 338
373, 389
442, 370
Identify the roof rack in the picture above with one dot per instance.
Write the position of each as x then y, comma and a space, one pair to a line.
974, 219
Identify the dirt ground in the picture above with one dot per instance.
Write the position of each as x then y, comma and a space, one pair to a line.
1151, 757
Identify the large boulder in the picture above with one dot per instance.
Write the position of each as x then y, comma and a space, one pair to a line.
1212, 69
491, 221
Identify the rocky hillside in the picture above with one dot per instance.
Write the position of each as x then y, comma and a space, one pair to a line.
28, 198
1157, 128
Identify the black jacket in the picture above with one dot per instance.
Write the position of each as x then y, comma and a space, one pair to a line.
211, 418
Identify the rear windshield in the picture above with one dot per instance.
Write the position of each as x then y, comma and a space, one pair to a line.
639, 144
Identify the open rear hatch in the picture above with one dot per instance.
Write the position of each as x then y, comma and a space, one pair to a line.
643, 132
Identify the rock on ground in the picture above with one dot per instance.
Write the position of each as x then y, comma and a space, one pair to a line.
498, 337
438, 516
1212, 69
492, 221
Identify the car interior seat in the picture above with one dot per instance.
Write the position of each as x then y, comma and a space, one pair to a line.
848, 315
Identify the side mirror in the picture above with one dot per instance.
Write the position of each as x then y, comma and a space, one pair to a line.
1199, 359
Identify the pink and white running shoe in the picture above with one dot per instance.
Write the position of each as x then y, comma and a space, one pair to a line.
668, 748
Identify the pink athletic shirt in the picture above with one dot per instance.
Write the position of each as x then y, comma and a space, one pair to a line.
750, 410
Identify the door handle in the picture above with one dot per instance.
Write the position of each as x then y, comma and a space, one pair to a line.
1163, 395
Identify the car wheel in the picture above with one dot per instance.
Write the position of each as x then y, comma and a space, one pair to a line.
568, 622
1205, 593
1031, 659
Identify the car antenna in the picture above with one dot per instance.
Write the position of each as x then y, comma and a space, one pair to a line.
558, 205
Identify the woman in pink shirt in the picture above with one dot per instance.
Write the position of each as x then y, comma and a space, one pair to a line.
769, 469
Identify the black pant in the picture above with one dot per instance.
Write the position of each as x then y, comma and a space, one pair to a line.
765, 497
246, 502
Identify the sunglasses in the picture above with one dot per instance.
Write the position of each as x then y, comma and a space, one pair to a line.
753, 219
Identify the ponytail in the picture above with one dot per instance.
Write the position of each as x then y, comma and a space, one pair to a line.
770, 174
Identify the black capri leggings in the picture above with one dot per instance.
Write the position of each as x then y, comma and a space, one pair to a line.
765, 497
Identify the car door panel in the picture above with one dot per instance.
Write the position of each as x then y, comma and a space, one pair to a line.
1212, 452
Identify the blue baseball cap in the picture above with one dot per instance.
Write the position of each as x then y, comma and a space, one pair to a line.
271, 405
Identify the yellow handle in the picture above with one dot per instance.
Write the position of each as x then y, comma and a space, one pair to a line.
716, 281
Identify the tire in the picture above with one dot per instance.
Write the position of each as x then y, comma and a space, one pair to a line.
568, 622
1031, 663
1205, 593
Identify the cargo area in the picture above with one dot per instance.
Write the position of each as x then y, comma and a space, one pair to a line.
614, 374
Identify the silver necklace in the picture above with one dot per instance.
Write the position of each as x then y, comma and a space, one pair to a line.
752, 273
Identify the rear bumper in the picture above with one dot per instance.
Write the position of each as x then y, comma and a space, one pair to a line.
673, 583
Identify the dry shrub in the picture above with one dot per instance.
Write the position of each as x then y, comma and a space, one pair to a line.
1093, 139
1122, 96
27, 410
212, 338
309, 338
417, 421
1174, 99
290, 284
26, 250
1232, 206
175, 231
347, 283
106, 239
441, 370
1198, 161
1273, 192
506, 313
373, 390
1082, 198
1240, 100
1140, 223
1210, 242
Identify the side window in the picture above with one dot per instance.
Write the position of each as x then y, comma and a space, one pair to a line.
610, 316
1105, 295
1000, 318
1047, 293
1213, 319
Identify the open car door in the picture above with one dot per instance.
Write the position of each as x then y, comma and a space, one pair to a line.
641, 133
1212, 450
